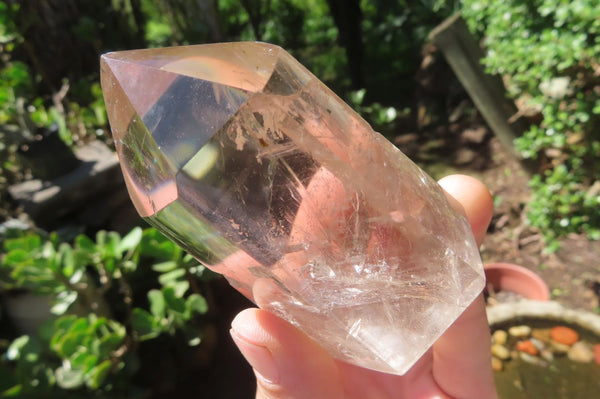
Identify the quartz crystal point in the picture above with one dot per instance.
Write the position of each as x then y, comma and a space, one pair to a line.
244, 158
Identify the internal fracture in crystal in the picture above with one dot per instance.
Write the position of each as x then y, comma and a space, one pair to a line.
250, 163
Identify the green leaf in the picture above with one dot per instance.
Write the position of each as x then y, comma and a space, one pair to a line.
116, 328
60, 327
69, 378
63, 301
65, 322
155, 245
75, 336
164, 267
174, 302
101, 238
98, 323
196, 304
130, 241
109, 344
84, 361
16, 347
77, 276
79, 326
110, 264
16, 257
143, 323
14, 391
85, 244
111, 246
68, 345
180, 288
157, 303
357, 97
68, 259
48, 250
171, 277
28, 243
98, 375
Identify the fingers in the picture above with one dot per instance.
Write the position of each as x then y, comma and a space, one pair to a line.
286, 362
462, 358
475, 199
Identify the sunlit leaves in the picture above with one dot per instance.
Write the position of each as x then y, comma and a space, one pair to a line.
74, 352
548, 51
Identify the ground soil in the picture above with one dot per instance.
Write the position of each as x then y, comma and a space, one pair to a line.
572, 273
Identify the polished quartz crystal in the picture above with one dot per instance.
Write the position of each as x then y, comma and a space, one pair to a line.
244, 158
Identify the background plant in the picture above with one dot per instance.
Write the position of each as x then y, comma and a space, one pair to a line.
99, 320
548, 51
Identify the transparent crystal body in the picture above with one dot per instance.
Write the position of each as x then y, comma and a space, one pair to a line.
244, 158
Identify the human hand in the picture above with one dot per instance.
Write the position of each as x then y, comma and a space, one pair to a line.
290, 365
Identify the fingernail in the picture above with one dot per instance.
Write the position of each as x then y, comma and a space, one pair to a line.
259, 358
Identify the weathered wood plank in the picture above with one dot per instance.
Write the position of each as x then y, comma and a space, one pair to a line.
464, 55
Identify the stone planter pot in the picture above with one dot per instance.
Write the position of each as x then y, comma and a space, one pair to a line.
550, 310
517, 279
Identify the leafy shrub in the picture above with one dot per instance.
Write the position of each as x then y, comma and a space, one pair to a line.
98, 322
70, 352
548, 51
25, 113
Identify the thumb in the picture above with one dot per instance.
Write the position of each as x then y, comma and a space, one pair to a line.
286, 362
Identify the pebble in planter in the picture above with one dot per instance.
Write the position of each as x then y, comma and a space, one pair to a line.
541, 349
539, 346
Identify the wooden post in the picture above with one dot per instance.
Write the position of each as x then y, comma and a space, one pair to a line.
464, 55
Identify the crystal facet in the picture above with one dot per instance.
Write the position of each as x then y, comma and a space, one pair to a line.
249, 162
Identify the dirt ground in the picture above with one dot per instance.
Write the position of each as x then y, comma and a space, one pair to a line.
572, 273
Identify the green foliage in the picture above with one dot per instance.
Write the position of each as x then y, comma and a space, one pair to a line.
15, 83
74, 121
381, 117
48, 266
395, 33
93, 352
548, 51
23, 115
8, 30
84, 345
574, 207
170, 309
76, 108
